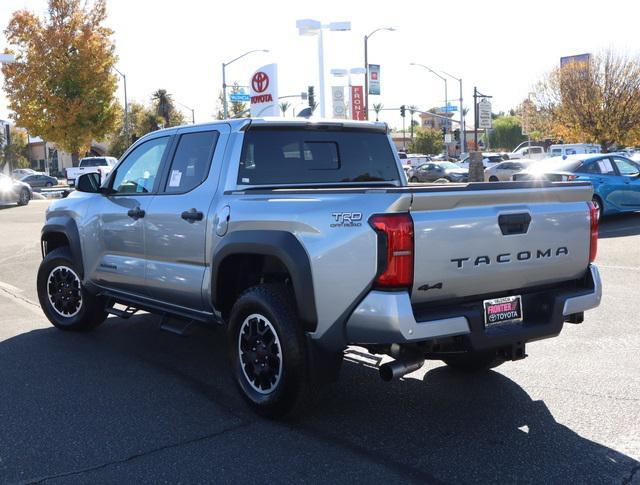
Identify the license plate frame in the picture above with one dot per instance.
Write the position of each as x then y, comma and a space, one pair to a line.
504, 310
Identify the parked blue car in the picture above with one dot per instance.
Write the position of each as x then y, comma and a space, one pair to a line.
615, 179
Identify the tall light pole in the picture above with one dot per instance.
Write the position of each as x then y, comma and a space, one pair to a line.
463, 127
310, 27
126, 103
366, 67
446, 96
224, 78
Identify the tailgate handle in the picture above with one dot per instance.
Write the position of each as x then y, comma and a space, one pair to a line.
511, 224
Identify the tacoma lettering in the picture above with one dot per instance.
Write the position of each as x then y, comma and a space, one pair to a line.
519, 256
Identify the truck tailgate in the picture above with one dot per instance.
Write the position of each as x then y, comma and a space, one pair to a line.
483, 240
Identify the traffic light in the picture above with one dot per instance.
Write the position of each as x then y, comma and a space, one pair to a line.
311, 97
403, 111
444, 131
456, 134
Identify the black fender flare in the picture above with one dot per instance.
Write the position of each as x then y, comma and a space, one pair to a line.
282, 245
67, 226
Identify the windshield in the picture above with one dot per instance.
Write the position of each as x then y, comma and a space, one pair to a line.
312, 156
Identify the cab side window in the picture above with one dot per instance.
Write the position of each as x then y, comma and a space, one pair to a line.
190, 164
137, 173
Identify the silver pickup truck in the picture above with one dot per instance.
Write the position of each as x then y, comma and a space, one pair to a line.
303, 237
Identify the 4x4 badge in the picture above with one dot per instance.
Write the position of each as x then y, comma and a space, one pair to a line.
437, 286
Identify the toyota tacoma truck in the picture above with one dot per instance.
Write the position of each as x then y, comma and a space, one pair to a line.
303, 237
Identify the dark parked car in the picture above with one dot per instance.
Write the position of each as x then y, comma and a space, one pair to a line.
14, 191
39, 180
432, 171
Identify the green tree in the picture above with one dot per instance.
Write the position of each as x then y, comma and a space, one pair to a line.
506, 133
62, 85
427, 141
142, 120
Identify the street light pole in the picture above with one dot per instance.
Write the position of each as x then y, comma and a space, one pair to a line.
225, 107
193, 112
366, 67
126, 103
446, 96
463, 127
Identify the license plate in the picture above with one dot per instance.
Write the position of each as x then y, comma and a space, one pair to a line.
502, 310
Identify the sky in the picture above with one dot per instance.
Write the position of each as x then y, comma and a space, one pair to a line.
502, 47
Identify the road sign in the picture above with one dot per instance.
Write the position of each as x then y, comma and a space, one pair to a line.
447, 109
447, 138
484, 113
239, 97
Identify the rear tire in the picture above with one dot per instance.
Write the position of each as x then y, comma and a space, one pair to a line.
24, 197
413, 180
470, 362
599, 206
267, 350
64, 300
493, 178
49, 184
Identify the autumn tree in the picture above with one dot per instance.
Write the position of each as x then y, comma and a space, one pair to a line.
62, 85
596, 101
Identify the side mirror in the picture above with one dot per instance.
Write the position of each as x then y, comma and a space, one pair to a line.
88, 182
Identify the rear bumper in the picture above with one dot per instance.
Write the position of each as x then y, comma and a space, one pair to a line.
388, 317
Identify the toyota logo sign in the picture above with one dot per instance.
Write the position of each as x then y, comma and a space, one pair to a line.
260, 82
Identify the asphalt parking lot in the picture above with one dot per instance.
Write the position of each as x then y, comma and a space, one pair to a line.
130, 403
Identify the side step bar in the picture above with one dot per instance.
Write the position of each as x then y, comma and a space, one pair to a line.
128, 312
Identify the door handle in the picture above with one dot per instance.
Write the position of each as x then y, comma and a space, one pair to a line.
192, 215
136, 213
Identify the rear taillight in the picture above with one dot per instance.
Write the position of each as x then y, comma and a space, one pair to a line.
571, 177
593, 241
395, 250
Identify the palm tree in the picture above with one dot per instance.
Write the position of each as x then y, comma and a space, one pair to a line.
284, 106
164, 104
377, 107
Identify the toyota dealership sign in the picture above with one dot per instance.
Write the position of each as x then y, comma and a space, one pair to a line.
264, 91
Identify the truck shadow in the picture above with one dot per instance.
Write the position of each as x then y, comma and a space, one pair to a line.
620, 225
75, 401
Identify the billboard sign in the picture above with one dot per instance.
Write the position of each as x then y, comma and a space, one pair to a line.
264, 91
484, 114
337, 100
374, 78
579, 59
357, 103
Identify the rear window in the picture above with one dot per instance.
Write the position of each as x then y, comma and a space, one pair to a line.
303, 156
93, 162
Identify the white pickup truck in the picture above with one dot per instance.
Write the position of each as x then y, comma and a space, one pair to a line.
101, 165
